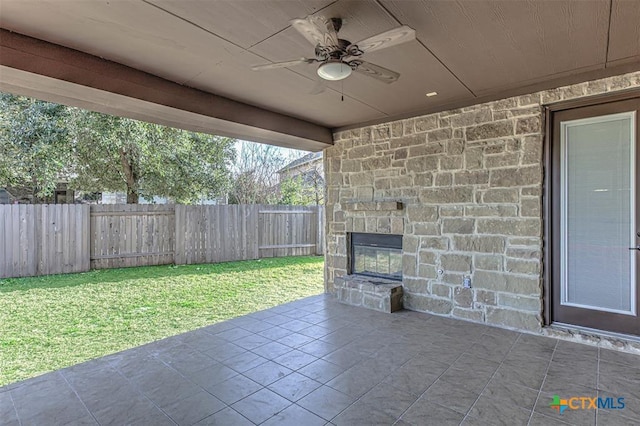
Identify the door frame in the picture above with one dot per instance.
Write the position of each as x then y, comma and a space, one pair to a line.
552, 177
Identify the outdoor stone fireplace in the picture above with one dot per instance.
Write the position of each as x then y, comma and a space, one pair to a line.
464, 189
372, 245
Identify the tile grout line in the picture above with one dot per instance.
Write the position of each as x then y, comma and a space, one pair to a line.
144, 395
15, 409
77, 396
544, 379
492, 376
438, 378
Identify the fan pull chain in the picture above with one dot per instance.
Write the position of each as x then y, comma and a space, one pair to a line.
342, 90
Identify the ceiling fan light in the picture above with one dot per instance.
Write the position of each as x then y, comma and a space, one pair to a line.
334, 70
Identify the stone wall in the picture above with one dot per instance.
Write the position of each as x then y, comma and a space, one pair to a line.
471, 183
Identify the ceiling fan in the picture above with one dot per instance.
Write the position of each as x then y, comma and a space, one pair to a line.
339, 57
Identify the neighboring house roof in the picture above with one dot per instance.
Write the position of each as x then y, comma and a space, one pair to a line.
302, 160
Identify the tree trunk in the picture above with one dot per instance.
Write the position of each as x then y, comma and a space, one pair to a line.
130, 178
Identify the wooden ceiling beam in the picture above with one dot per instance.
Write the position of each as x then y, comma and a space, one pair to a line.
51, 72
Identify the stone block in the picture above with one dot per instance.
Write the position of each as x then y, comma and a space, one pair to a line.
427, 271
349, 166
364, 193
479, 243
427, 149
485, 297
501, 160
383, 225
463, 194
400, 182
532, 150
501, 281
455, 262
409, 265
488, 262
475, 315
410, 244
441, 290
491, 211
473, 158
501, 195
451, 211
422, 164
452, 278
455, 147
475, 177
457, 225
426, 123
463, 297
430, 304
530, 207
510, 226
360, 179
453, 162
376, 163
518, 266
355, 297
517, 176
523, 253
494, 148
420, 213
439, 135
360, 152
465, 119
372, 302
415, 285
521, 303
407, 141
373, 293
533, 99
426, 229
397, 129
497, 129
514, 319
427, 257
423, 179
435, 243
528, 125
381, 133
444, 179
397, 225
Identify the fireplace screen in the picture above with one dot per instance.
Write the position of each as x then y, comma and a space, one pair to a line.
377, 255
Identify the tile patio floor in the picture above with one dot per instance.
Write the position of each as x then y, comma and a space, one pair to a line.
315, 361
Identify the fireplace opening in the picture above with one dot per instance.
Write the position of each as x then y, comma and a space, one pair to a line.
376, 255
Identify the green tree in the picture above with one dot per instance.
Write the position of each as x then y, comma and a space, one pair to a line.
294, 191
143, 159
35, 146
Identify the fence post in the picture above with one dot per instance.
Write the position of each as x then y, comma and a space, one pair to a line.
319, 233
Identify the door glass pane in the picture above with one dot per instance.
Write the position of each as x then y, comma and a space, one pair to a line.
598, 217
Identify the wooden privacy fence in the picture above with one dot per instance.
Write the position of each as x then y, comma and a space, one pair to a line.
61, 238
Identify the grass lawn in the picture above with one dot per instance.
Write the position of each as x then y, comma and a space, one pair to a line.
51, 322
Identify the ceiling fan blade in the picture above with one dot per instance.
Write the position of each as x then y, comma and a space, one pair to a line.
283, 64
376, 71
386, 39
318, 30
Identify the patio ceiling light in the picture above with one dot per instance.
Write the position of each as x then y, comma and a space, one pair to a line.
334, 70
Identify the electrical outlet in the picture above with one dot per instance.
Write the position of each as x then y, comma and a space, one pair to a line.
466, 281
